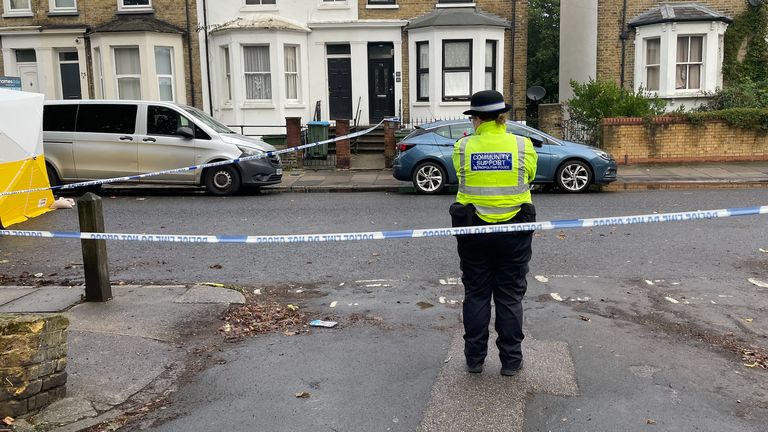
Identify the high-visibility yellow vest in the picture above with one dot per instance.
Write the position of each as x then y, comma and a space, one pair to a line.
495, 170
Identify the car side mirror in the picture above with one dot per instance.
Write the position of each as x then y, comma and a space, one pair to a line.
538, 140
186, 132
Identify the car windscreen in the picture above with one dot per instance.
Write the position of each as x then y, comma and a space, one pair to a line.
206, 119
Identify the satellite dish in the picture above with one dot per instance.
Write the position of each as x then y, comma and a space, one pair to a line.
536, 93
755, 3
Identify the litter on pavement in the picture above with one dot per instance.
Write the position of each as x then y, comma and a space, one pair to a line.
321, 323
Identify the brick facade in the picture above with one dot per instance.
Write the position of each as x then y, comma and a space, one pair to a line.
409, 9
671, 139
94, 13
609, 28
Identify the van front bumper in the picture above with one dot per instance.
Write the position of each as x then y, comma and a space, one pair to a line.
262, 172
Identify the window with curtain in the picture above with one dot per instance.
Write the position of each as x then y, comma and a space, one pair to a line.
164, 70
227, 74
128, 72
63, 5
20, 6
457, 70
652, 63
260, 2
258, 79
690, 50
131, 4
291, 72
490, 65
422, 71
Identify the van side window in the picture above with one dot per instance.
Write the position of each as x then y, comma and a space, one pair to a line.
101, 118
164, 121
200, 134
59, 118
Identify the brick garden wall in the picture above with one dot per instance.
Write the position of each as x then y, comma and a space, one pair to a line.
33, 361
669, 139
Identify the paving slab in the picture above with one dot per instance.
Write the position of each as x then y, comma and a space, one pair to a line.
488, 401
207, 294
67, 410
43, 300
10, 293
109, 368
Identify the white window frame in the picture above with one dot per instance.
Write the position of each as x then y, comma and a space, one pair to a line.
171, 76
261, 7
712, 51
647, 65
27, 12
122, 7
295, 73
688, 63
59, 9
333, 4
118, 76
99, 67
245, 74
226, 73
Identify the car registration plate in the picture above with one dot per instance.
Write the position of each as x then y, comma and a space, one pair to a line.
279, 171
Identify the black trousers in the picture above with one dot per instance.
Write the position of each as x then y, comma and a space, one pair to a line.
495, 266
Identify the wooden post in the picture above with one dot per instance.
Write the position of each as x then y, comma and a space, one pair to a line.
97, 286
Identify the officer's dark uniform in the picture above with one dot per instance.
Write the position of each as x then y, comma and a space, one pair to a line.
494, 170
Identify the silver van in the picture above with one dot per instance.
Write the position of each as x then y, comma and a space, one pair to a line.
98, 139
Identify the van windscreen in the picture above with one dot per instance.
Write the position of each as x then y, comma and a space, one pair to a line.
114, 119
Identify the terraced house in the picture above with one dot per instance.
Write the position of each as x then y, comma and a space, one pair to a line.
672, 49
112, 49
358, 59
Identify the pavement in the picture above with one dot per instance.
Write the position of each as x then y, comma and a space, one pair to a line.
630, 177
130, 352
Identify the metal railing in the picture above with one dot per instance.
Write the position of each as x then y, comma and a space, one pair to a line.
577, 132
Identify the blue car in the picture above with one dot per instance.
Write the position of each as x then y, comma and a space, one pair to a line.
424, 157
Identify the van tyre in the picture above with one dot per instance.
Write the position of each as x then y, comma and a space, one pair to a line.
429, 178
574, 176
222, 180
53, 179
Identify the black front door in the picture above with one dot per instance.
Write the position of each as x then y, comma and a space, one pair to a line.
70, 75
381, 81
340, 88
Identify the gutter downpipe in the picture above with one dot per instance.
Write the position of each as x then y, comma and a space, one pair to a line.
189, 54
623, 35
512, 60
207, 58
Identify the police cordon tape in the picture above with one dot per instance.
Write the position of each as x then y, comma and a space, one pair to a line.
698, 215
195, 167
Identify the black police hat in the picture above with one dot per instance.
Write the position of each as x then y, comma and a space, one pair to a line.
487, 102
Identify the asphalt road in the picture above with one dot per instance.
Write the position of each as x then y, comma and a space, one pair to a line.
614, 355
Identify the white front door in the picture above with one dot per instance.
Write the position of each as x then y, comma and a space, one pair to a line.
28, 74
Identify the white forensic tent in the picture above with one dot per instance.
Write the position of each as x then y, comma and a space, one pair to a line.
22, 164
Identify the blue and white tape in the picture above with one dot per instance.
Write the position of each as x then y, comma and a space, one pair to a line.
402, 234
195, 167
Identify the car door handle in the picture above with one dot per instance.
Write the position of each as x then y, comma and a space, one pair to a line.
149, 139
126, 138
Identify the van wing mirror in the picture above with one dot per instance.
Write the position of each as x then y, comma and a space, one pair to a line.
538, 140
186, 132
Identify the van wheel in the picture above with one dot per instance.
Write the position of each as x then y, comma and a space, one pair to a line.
222, 180
53, 179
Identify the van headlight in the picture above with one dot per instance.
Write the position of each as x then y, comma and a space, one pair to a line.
603, 154
247, 151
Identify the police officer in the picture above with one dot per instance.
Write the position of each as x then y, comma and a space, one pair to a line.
495, 170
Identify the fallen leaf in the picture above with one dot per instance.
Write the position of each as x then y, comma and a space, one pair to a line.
226, 328
540, 278
38, 275
556, 296
8, 421
561, 235
763, 250
289, 333
750, 365
584, 318
749, 320
671, 300
758, 282
292, 307
302, 395
216, 266
424, 305
375, 254
650, 421
3, 261
213, 284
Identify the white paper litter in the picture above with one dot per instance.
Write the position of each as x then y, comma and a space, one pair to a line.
758, 282
441, 299
333, 304
541, 278
671, 300
556, 296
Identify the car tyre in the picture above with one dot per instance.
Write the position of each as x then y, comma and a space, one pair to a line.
53, 178
574, 176
429, 178
222, 180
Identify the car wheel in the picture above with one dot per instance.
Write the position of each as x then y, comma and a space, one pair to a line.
429, 178
222, 180
53, 179
574, 176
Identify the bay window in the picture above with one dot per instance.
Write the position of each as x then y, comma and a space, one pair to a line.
457, 70
258, 79
128, 72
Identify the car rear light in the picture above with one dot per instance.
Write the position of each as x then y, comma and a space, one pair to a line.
403, 147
